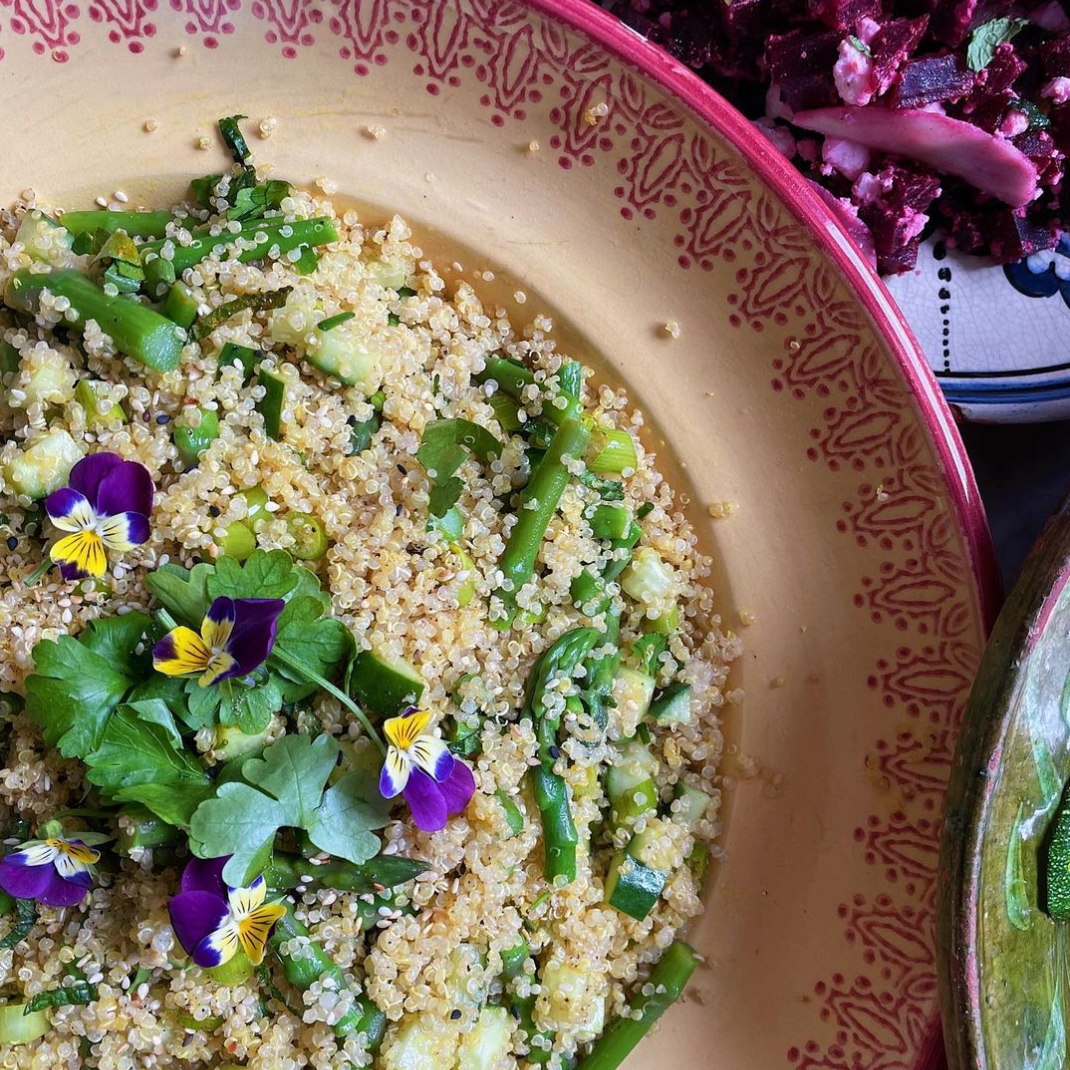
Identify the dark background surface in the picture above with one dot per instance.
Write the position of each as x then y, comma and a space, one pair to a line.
1023, 472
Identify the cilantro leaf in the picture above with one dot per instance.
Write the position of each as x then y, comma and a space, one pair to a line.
168, 689
239, 821
184, 592
446, 443
265, 574
138, 762
342, 823
202, 704
444, 496
987, 38
116, 640
319, 643
285, 787
75, 690
249, 709
156, 711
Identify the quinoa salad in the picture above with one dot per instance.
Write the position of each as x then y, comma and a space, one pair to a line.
362, 687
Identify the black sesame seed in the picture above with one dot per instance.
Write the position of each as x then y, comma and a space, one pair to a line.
555, 753
12, 542
213, 510
163, 418
146, 416
403, 470
397, 510
351, 420
455, 1015
514, 1012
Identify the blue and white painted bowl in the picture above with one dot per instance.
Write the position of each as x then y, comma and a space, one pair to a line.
996, 337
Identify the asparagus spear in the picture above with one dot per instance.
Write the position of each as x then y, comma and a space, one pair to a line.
287, 871
543, 494
310, 964
136, 224
551, 792
137, 331
512, 378
668, 979
272, 234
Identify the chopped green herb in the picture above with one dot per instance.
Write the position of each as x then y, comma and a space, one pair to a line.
24, 923
444, 448
80, 994
232, 135
259, 302
859, 45
987, 38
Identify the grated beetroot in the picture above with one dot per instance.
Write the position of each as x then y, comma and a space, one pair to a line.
910, 114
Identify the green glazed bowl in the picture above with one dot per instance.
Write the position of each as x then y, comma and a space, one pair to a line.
1003, 961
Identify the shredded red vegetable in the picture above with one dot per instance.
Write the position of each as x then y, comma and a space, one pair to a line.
910, 114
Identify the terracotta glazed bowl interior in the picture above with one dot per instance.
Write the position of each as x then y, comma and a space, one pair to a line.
859, 547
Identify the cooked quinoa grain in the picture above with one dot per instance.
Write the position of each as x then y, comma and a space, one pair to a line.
431, 959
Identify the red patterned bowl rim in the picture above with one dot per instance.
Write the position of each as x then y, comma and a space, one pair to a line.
830, 236
771, 166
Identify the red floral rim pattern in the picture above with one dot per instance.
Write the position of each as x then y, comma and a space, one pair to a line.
882, 1016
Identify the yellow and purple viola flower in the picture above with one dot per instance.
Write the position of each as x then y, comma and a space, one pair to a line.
106, 508
55, 871
236, 638
420, 767
212, 920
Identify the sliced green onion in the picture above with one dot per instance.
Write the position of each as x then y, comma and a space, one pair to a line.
506, 412
310, 536
610, 521
333, 321
611, 451
136, 224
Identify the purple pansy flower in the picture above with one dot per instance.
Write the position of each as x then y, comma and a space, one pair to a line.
105, 506
212, 920
54, 871
236, 637
420, 767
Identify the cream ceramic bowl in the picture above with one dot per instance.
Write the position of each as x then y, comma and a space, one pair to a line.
544, 142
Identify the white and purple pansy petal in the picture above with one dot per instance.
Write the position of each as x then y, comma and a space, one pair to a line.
123, 531
433, 757
54, 871
195, 915
70, 510
395, 773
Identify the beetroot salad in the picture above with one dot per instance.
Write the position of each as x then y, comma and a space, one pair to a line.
911, 115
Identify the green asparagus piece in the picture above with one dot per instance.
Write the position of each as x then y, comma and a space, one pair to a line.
668, 978
287, 871
136, 224
589, 587
300, 233
543, 491
512, 378
551, 791
137, 331
311, 963
139, 827
602, 671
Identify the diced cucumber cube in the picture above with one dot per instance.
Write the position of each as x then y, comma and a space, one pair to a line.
691, 804
343, 355
633, 691
191, 442
488, 1044
632, 887
44, 465
673, 705
647, 578
42, 236
385, 685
